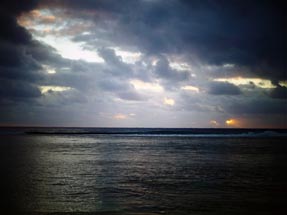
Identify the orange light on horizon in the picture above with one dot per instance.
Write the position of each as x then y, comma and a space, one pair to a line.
120, 116
231, 122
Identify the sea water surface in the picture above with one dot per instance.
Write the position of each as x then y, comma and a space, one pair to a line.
142, 171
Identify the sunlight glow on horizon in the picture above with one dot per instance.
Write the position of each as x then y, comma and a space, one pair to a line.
232, 122
120, 116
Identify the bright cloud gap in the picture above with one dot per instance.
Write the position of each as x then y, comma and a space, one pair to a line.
47, 89
261, 83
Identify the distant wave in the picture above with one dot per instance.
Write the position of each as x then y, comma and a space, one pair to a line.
188, 132
11, 132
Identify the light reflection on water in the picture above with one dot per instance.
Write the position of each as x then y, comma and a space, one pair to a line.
143, 175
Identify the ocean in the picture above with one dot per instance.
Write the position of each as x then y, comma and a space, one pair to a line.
142, 171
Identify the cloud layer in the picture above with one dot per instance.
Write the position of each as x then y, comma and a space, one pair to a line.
142, 63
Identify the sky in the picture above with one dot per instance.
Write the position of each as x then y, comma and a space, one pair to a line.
143, 63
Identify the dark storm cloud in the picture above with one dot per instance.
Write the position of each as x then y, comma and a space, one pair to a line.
279, 93
163, 70
13, 37
10, 30
18, 70
18, 89
46, 54
108, 5
17, 64
223, 88
245, 33
115, 64
257, 106
10, 55
15, 7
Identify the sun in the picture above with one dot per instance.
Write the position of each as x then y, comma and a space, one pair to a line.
232, 122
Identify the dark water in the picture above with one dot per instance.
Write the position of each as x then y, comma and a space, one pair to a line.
140, 171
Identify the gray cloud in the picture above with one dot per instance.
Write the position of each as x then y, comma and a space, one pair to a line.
257, 106
18, 90
114, 63
163, 70
279, 93
60, 99
131, 95
223, 88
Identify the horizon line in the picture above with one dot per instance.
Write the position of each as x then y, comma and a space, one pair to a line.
136, 127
